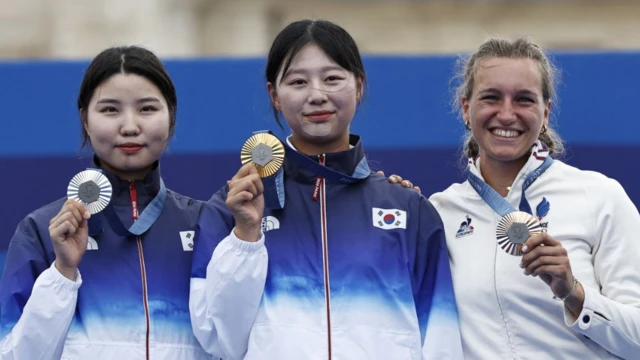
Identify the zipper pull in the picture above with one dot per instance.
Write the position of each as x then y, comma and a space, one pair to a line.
319, 181
134, 200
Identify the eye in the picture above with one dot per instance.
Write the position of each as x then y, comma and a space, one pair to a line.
526, 99
297, 82
148, 108
334, 78
108, 109
489, 98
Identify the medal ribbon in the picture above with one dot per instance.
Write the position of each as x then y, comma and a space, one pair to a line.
274, 194
496, 201
148, 217
273, 185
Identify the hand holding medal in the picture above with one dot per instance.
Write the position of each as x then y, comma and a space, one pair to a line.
262, 157
545, 257
89, 192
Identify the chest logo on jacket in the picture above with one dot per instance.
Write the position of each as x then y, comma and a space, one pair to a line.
388, 219
541, 211
92, 244
187, 240
270, 223
465, 228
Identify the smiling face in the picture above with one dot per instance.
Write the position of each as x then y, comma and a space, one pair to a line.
318, 99
506, 110
127, 122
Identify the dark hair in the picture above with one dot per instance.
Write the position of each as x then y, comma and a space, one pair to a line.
520, 48
126, 60
331, 38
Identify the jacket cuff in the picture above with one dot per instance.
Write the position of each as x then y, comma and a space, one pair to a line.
243, 245
60, 280
587, 316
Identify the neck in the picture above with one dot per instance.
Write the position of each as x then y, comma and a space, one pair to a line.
311, 149
500, 175
128, 175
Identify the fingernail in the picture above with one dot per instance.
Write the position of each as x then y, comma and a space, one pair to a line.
87, 214
521, 265
525, 248
405, 183
525, 272
393, 178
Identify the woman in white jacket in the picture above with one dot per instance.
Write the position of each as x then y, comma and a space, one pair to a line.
572, 290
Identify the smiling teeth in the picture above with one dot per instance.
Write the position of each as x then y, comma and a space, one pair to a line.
505, 133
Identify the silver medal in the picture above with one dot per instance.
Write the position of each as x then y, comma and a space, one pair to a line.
92, 189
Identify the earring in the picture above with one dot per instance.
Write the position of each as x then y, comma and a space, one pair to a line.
544, 130
467, 125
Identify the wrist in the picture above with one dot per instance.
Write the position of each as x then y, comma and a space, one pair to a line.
250, 233
69, 272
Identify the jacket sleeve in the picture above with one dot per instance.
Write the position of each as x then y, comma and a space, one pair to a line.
36, 301
433, 289
227, 282
611, 313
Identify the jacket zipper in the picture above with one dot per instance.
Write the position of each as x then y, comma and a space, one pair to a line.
143, 272
320, 192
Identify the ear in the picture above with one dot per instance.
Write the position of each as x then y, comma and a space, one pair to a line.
273, 94
359, 89
85, 123
465, 110
547, 111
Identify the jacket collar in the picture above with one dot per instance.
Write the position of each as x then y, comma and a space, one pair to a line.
343, 161
146, 189
539, 153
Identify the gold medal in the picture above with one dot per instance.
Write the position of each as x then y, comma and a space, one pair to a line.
265, 151
514, 230
91, 189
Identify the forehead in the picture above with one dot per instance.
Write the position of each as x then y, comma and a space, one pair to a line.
311, 57
127, 85
507, 73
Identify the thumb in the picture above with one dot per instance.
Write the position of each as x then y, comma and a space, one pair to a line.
84, 224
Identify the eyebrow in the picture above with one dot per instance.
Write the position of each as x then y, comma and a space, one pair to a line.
519, 92
139, 101
301, 71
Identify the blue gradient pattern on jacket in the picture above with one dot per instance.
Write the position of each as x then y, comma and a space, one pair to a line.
386, 284
111, 307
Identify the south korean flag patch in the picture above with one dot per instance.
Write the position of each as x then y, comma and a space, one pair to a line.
388, 219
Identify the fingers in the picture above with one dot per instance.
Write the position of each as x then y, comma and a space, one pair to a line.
381, 173
394, 179
556, 271
534, 267
417, 188
245, 185
535, 261
65, 224
539, 251
246, 169
72, 216
251, 183
537, 240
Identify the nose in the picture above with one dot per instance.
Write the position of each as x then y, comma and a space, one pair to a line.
506, 112
130, 126
317, 95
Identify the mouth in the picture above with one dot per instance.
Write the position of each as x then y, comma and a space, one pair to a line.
506, 133
319, 115
130, 147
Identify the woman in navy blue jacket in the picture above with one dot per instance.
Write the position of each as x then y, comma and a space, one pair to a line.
113, 285
341, 264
